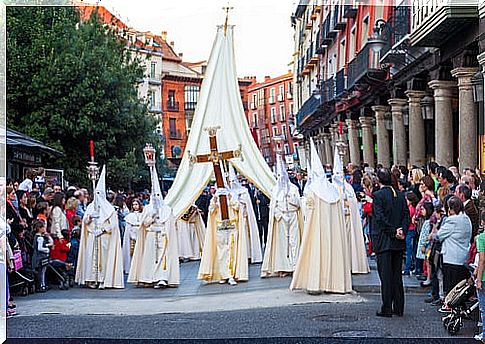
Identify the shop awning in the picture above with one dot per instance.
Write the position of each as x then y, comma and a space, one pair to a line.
14, 138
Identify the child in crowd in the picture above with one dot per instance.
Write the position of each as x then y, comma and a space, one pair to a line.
426, 212
412, 201
59, 254
40, 260
74, 249
42, 211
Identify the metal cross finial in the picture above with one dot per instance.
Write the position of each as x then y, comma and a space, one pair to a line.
227, 9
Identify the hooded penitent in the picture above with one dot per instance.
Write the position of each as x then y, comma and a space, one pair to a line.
319, 182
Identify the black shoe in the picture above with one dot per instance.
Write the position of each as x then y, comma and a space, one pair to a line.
384, 315
425, 284
398, 314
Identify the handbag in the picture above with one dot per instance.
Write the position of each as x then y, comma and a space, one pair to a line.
17, 260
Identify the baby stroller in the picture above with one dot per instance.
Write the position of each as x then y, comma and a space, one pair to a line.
461, 308
57, 271
21, 279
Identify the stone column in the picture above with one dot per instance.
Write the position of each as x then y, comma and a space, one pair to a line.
368, 140
467, 131
399, 153
383, 151
333, 137
328, 147
353, 141
417, 147
443, 94
320, 148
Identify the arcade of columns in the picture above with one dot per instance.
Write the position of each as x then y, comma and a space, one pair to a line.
444, 92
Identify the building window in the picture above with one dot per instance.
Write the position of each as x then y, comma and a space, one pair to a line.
282, 113
273, 115
352, 44
283, 132
275, 131
365, 30
153, 68
342, 54
291, 109
255, 119
151, 98
171, 97
295, 147
272, 92
287, 149
191, 96
255, 99
290, 88
173, 128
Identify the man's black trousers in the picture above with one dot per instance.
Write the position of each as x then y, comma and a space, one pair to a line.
389, 265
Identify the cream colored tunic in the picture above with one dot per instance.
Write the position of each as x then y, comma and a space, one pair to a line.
156, 251
323, 264
285, 231
191, 237
133, 221
100, 256
225, 252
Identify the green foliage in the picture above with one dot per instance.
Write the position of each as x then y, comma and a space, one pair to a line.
69, 82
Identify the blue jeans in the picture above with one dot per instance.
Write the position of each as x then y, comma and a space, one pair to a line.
409, 250
481, 301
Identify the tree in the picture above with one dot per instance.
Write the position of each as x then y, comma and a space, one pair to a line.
69, 82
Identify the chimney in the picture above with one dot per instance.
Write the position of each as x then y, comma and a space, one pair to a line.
164, 35
181, 55
267, 77
172, 44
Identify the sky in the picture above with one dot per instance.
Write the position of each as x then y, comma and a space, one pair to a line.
263, 33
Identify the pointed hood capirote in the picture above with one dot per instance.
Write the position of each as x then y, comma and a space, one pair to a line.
319, 183
282, 179
100, 207
157, 203
338, 177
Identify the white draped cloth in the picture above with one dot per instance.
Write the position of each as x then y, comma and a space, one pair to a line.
133, 221
191, 233
219, 105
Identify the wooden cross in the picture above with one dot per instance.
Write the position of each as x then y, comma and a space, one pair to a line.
227, 9
215, 157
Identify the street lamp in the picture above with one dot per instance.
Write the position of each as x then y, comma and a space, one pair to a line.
478, 91
376, 40
427, 107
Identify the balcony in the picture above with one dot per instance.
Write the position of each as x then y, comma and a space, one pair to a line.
155, 79
271, 100
328, 35
338, 23
435, 21
350, 11
289, 95
281, 98
340, 83
308, 108
397, 27
364, 69
253, 106
155, 107
172, 106
190, 106
328, 90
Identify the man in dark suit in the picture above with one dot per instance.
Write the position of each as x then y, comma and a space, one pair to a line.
390, 225
464, 193
262, 202
300, 182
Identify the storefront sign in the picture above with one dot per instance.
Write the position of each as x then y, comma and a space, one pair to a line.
26, 157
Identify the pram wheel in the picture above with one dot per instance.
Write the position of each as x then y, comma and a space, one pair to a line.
454, 326
446, 320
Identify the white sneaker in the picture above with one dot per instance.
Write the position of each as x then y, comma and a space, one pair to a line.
232, 281
479, 337
222, 281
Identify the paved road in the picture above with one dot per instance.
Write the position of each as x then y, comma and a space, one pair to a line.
323, 320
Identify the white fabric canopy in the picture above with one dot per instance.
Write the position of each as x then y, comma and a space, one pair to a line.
219, 105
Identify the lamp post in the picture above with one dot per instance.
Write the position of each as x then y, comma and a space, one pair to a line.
376, 41
478, 88
427, 107
93, 175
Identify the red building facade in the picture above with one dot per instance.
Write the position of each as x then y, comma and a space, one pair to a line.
270, 114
